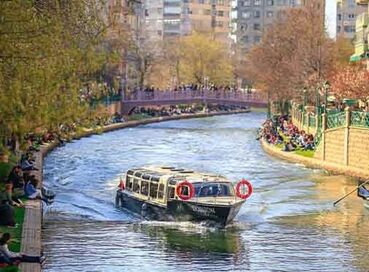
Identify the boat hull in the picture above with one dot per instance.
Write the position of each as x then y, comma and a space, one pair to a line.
178, 210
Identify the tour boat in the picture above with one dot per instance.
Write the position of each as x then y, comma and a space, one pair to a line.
363, 193
174, 194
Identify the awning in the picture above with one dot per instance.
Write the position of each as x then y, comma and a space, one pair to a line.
355, 58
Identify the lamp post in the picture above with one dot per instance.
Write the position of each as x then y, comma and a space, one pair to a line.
269, 109
305, 99
326, 88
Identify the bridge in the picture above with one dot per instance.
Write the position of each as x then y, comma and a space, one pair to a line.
161, 98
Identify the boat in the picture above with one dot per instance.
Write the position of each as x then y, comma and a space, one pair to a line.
174, 194
363, 193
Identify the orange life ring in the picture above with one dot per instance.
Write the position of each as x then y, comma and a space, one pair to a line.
243, 182
180, 193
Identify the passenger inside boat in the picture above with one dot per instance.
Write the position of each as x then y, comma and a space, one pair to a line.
213, 189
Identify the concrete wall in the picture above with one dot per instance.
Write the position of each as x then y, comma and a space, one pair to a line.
334, 145
358, 148
346, 146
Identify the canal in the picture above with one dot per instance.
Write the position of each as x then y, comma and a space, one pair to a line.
288, 224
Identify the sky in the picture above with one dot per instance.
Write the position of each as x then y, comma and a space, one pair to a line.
331, 17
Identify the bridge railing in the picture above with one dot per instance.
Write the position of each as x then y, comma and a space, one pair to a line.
192, 94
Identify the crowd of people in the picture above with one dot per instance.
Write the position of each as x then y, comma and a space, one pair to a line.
281, 131
21, 184
178, 110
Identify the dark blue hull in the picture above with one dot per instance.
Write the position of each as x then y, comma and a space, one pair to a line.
178, 210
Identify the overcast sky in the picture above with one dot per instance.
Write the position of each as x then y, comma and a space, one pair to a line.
331, 16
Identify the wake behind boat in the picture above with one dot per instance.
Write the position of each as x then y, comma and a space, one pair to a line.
169, 193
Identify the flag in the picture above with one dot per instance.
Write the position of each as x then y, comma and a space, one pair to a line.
121, 184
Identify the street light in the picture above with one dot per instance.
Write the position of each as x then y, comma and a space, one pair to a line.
305, 99
326, 86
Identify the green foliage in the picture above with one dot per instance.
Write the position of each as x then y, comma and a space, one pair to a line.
49, 50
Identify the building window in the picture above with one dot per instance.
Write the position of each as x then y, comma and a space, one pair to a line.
257, 14
257, 2
220, 13
256, 26
270, 2
257, 39
246, 14
247, 3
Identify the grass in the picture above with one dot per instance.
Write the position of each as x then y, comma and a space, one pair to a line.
305, 153
16, 234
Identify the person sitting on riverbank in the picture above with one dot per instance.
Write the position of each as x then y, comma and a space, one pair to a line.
32, 192
27, 163
7, 197
7, 214
16, 177
289, 146
13, 257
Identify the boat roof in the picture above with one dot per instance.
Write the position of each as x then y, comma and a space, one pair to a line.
178, 173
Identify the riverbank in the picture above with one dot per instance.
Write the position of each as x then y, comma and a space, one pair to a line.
31, 235
313, 162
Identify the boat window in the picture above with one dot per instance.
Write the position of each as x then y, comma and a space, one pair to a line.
136, 185
213, 189
129, 172
138, 174
155, 179
129, 183
146, 176
144, 187
171, 192
161, 191
153, 190
172, 181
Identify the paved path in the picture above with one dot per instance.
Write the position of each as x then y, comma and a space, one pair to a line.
31, 233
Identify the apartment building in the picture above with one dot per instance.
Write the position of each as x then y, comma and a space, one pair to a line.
254, 16
173, 18
347, 12
361, 33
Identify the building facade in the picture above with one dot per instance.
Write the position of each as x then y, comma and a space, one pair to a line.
361, 33
347, 12
175, 18
254, 16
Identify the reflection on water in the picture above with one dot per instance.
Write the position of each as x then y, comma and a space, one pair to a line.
289, 223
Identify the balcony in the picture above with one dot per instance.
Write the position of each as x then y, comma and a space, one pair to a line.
361, 2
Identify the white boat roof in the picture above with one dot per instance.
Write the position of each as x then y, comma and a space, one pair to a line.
179, 173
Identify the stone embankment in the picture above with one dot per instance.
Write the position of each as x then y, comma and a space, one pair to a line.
31, 234
336, 168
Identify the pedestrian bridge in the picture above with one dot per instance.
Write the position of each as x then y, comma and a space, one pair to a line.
161, 98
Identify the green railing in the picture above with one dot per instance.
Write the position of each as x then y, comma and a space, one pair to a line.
312, 121
359, 119
336, 120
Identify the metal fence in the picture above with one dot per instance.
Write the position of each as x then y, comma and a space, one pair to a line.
359, 119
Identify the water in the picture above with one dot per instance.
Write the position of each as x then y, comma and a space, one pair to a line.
288, 224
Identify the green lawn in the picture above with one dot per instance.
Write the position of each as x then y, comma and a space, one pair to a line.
16, 233
307, 153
